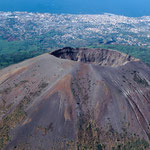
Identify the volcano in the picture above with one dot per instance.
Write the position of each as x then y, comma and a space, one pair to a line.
76, 99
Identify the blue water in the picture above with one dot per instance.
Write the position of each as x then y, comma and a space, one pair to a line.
132, 8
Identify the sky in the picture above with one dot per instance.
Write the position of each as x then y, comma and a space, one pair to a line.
132, 8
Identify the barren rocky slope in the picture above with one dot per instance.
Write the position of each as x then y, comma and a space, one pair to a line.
76, 99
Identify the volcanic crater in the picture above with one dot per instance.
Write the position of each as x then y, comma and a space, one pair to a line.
103, 57
75, 99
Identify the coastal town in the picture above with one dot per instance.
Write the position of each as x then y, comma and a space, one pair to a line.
70, 29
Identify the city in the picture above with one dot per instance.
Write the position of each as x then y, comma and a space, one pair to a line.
68, 30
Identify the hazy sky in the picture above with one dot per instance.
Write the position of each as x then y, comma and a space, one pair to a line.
123, 7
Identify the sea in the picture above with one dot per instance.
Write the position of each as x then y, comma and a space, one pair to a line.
130, 8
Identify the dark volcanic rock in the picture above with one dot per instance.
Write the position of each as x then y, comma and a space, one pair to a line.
101, 57
89, 99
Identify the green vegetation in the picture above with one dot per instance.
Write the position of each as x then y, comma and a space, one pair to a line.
136, 144
91, 138
42, 85
88, 137
135, 51
12, 52
17, 51
9, 122
138, 80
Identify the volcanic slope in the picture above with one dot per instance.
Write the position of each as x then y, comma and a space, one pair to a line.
75, 99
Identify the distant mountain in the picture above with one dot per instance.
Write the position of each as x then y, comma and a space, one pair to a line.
75, 99
129, 7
